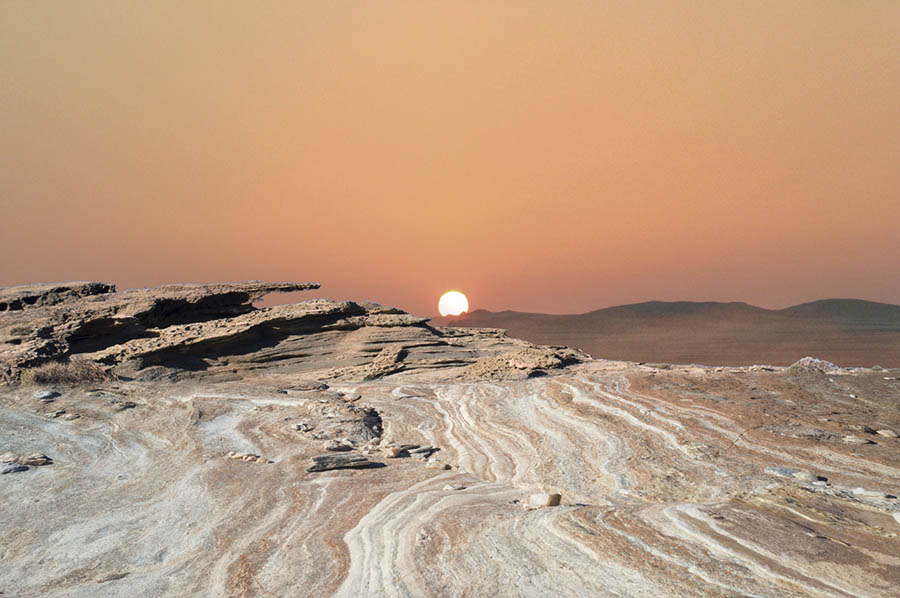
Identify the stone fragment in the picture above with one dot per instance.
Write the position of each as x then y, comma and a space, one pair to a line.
339, 461
812, 364
886, 433
8, 457
45, 395
34, 459
12, 468
784, 472
352, 397
851, 439
450, 487
392, 452
309, 386
338, 445
57, 413
249, 457
422, 452
388, 361
435, 464
804, 476
867, 493
303, 427
544, 499
71, 416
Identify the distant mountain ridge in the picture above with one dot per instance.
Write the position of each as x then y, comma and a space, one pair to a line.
845, 331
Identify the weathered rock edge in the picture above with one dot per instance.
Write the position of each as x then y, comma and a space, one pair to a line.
185, 326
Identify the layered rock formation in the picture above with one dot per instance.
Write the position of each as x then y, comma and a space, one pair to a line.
339, 448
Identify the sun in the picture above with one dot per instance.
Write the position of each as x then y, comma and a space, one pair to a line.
453, 303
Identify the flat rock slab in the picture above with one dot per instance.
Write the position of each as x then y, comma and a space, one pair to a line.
339, 461
12, 468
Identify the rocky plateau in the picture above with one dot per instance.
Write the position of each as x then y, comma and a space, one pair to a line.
180, 441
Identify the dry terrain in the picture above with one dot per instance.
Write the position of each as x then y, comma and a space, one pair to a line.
201, 447
847, 332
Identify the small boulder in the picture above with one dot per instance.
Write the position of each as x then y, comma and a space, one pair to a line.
45, 395
454, 487
435, 464
338, 445
812, 364
887, 433
393, 452
544, 499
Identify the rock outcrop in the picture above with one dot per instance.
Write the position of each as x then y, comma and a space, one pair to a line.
183, 328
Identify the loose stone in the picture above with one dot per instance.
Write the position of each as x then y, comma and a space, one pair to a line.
34, 459
341, 461
12, 468
544, 499
868, 493
338, 445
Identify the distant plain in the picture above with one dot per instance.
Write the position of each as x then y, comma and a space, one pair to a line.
848, 332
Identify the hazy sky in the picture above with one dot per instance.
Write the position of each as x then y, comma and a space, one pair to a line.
544, 156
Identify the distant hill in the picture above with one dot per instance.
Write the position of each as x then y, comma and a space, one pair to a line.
844, 331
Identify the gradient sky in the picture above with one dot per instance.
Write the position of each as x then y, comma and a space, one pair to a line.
540, 156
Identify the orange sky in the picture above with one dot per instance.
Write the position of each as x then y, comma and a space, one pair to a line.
542, 156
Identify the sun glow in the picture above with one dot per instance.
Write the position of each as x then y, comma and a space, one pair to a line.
453, 303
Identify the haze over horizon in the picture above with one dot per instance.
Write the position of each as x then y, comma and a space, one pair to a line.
540, 157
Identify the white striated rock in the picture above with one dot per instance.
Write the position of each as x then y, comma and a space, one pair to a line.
804, 476
867, 493
851, 439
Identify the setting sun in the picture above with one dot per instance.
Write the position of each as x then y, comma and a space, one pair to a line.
453, 303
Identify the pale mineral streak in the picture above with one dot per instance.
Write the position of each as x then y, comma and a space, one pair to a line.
637, 480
